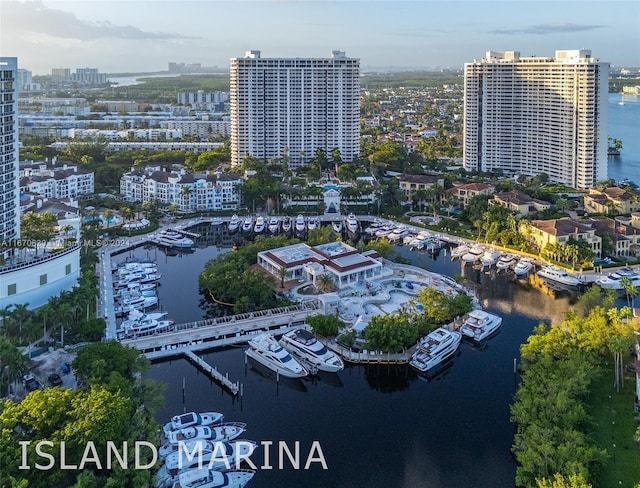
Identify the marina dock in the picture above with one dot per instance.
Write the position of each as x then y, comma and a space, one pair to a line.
223, 380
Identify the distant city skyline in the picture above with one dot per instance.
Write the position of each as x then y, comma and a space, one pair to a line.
145, 35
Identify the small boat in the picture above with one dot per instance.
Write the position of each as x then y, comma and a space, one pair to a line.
474, 254
217, 456
154, 326
300, 225
524, 266
192, 418
208, 478
266, 350
172, 238
215, 433
558, 275
234, 224
506, 261
247, 226
489, 258
480, 325
259, 226
336, 225
305, 346
435, 348
459, 251
353, 226
274, 225
615, 280
286, 226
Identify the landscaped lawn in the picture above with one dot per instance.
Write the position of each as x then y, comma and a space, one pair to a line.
614, 426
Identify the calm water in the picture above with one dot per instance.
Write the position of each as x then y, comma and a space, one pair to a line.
624, 124
377, 426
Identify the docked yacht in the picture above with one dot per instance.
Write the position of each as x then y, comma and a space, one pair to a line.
435, 348
303, 345
259, 226
300, 225
615, 280
372, 228
506, 261
459, 251
287, 226
234, 224
313, 223
489, 258
336, 225
525, 264
218, 456
154, 326
558, 275
192, 418
480, 324
353, 227
247, 226
215, 433
474, 254
274, 225
172, 238
266, 350
209, 478
140, 302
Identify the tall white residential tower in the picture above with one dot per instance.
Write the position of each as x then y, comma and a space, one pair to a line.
535, 115
9, 187
294, 106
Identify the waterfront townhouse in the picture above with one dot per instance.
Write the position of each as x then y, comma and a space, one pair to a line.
624, 239
189, 191
53, 180
464, 193
520, 202
412, 184
612, 200
559, 232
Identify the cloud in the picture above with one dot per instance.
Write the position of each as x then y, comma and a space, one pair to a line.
35, 17
543, 29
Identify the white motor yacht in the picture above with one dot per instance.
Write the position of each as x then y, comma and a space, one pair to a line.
480, 324
172, 238
215, 433
286, 225
208, 478
234, 224
300, 225
274, 225
474, 254
525, 264
192, 418
353, 227
459, 251
259, 226
304, 345
435, 348
558, 275
218, 456
266, 350
489, 258
313, 223
247, 226
336, 225
506, 261
615, 280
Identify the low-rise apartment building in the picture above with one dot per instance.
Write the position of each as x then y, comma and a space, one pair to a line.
55, 180
520, 202
560, 231
612, 200
464, 193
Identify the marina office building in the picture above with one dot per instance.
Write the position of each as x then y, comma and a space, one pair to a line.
294, 106
535, 115
343, 263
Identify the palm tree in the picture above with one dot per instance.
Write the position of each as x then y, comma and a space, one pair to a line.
20, 315
185, 194
282, 273
630, 290
107, 215
11, 363
325, 283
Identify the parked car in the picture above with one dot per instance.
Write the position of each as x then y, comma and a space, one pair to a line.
54, 379
31, 383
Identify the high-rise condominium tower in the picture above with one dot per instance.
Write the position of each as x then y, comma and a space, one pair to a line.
293, 106
9, 189
537, 115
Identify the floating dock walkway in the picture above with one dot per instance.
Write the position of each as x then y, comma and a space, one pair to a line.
224, 380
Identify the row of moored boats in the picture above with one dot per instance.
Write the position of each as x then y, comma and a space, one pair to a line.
203, 451
298, 226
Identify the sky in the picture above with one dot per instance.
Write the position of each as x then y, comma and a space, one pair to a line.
119, 36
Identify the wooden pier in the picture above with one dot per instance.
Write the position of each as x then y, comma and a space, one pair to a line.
213, 372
